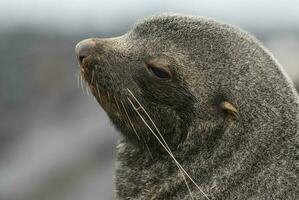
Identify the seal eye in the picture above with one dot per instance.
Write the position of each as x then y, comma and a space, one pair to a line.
160, 72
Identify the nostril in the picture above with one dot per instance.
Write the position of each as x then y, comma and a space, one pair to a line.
84, 49
81, 58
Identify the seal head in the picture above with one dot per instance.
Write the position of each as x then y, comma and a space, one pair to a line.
205, 111
115, 67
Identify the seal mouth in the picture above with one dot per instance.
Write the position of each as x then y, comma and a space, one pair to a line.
119, 106
85, 65
107, 99
90, 72
114, 103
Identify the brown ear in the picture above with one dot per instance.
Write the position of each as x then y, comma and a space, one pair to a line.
228, 107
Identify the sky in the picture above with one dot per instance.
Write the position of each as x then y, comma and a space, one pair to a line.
106, 15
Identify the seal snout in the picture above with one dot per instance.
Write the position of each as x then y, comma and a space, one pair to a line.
84, 49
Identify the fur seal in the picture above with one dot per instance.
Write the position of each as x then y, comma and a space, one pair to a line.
204, 111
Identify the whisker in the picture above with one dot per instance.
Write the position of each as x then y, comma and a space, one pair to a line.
136, 117
167, 150
78, 81
93, 93
108, 95
87, 90
117, 105
130, 120
95, 99
81, 83
92, 76
166, 147
141, 107
98, 91
147, 147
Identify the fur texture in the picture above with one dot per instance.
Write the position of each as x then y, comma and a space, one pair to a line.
247, 155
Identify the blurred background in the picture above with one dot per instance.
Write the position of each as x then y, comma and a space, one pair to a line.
55, 141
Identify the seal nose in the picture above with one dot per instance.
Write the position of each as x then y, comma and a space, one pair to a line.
84, 48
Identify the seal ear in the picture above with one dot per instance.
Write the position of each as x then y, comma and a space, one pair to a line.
228, 107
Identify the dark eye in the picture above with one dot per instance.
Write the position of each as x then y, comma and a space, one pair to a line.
160, 72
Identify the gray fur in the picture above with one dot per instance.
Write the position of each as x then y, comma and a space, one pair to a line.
249, 155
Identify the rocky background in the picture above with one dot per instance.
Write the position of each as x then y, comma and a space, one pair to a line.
56, 143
